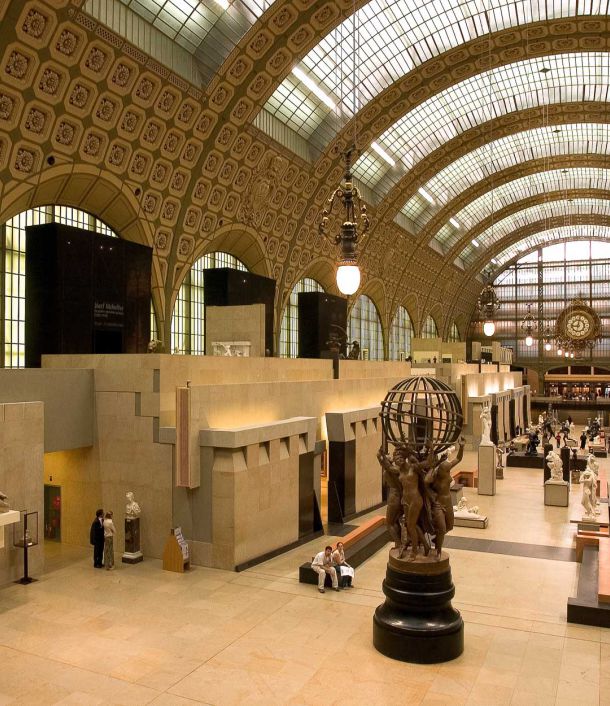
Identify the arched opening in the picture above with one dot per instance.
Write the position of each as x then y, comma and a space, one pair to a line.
188, 318
364, 326
429, 328
454, 334
289, 331
13, 274
401, 334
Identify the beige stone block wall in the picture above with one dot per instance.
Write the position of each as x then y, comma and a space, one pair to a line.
368, 471
21, 464
236, 323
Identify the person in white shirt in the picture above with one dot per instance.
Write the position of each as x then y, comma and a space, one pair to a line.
322, 564
109, 532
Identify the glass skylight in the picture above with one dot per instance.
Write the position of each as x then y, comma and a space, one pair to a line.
534, 214
592, 232
209, 29
556, 180
518, 86
478, 165
395, 37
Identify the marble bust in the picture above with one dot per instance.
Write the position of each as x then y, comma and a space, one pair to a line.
132, 509
4, 505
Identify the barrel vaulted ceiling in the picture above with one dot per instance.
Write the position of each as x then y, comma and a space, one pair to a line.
494, 114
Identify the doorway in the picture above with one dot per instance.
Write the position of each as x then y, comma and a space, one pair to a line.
52, 512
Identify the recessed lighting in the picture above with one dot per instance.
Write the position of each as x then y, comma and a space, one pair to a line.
454, 223
494, 261
425, 194
383, 154
475, 243
313, 87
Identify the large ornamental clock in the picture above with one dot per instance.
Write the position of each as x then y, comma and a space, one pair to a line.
578, 323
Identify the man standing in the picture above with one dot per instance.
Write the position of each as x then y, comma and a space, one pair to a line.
322, 564
96, 537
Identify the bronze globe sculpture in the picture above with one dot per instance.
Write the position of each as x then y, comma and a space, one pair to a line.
421, 418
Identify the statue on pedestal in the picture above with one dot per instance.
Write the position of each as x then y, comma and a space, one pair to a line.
486, 427
133, 553
555, 465
532, 444
589, 482
593, 466
421, 418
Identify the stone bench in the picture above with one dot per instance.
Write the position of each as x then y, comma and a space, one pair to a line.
359, 545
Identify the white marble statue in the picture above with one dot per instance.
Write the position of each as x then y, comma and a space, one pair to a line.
486, 427
4, 505
593, 465
462, 510
132, 509
540, 421
589, 482
555, 464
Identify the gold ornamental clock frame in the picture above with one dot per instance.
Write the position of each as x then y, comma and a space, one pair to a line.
578, 327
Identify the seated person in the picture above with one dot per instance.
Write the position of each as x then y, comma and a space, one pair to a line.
322, 564
345, 573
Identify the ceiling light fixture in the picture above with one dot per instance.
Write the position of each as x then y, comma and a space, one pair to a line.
487, 304
475, 243
383, 154
314, 88
454, 223
425, 194
529, 326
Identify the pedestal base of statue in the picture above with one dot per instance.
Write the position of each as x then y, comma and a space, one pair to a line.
456, 493
487, 470
417, 622
476, 522
132, 553
557, 493
499, 472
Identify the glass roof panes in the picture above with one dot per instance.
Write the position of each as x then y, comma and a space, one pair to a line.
395, 37
521, 85
592, 232
556, 180
478, 165
523, 218
209, 29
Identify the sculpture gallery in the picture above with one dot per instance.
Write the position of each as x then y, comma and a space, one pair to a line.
421, 419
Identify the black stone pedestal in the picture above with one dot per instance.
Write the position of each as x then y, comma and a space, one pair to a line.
132, 553
417, 622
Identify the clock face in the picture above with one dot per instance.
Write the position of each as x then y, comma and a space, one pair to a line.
578, 325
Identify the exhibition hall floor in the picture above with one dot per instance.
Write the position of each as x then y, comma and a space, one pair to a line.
139, 635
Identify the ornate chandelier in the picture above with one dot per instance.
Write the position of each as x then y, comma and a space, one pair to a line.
487, 305
348, 272
529, 326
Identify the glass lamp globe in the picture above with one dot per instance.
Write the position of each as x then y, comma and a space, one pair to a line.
559, 351
547, 346
529, 341
571, 355
348, 279
567, 354
489, 328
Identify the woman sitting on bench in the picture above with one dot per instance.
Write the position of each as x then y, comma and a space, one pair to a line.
345, 573
322, 564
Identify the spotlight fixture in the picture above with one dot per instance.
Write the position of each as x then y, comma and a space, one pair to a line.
348, 272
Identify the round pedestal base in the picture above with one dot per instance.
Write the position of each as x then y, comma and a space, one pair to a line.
417, 622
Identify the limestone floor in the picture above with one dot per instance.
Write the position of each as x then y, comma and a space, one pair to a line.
139, 635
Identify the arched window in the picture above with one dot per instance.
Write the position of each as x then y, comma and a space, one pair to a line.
454, 334
289, 331
187, 334
12, 275
429, 329
364, 326
401, 334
